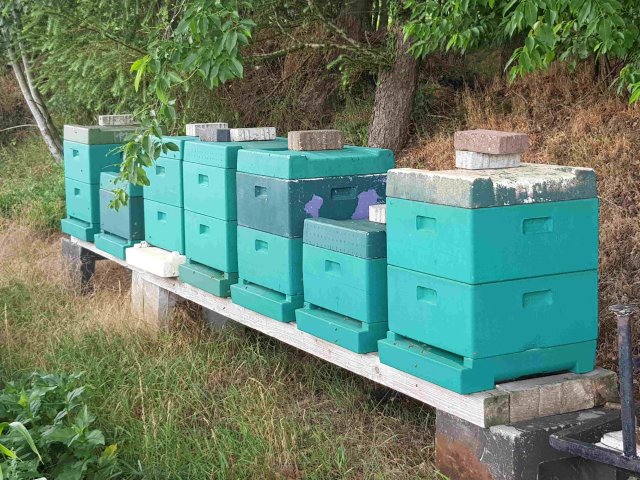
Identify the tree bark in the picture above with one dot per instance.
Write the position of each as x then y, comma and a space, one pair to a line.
394, 99
50, 141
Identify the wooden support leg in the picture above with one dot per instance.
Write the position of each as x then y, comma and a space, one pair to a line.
216, 321
81, 265
150, 303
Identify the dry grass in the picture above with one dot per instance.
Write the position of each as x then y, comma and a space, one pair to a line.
571, 119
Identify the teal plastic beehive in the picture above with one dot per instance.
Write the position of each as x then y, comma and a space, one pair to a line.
492, 319
109, 182
268, 302
479, 245
164, 226
127, 222
83, 201
211, 241
467, 375
225, 154
165, 182
98, 135
280, 206
80, 229
116, 246
210, 190
291, 164
84, 162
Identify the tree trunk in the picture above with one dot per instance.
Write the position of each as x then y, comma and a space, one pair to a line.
355, 18
49, 139
394, 99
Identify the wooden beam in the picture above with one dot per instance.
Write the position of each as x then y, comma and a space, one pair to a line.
484, 409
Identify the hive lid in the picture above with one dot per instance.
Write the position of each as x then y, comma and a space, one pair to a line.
97, 135
106, 183
530, 183
291, 164
225, 154
180, 141
359, 238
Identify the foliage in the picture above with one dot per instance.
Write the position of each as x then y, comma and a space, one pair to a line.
547, 31
51, 431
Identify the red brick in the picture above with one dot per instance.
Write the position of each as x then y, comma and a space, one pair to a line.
491, 141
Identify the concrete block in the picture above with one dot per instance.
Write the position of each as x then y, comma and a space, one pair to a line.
150, 303
531, 183
482, 161
316, 140
491, 141
215, 135
155, 260
197, 129
113, 120
251, 134
563, 393
505, 452
378, 213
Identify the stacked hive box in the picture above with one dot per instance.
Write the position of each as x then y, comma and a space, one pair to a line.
276, 192
123, 227
88, 151
345, 282
163, 198
209, 178
492, 273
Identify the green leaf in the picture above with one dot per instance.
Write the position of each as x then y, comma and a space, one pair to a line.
172, 146
232, 40
21, 429
8, 453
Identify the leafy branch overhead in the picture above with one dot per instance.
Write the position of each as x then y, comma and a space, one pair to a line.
547, 30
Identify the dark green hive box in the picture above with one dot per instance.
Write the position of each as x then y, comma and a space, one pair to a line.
291, 164
358, 238
280, 206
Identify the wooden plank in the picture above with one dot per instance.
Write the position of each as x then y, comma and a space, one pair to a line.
507, 403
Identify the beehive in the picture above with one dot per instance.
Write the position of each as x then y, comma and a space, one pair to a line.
121, 228
277, 191
88, 151
492, 273
345, 282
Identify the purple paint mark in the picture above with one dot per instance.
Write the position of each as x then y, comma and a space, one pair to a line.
365, 199
313, 206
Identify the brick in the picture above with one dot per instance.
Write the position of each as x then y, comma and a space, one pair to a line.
196, 129
482, 161
378, 213
215, 135
113, 120
316, 140
491, 141
251, 134
530, 183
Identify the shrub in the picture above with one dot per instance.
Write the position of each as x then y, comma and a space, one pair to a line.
51, 432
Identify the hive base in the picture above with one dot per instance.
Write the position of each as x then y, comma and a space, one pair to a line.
467, 375
354, 335
79, 229
209, 279
113, 244
268, 302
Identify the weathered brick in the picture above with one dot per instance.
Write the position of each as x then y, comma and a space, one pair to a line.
491, 141
196, 129
113, 120
252, 134
215, 135
482, 161
316, 140
378, 213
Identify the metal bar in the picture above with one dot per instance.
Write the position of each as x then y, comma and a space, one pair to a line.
625, 361
593, 452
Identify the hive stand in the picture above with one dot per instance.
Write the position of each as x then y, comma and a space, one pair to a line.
500, 434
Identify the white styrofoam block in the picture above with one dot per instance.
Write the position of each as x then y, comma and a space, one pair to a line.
154, 260
252, 134
113, 120
194, 129
378, 213
482, 161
